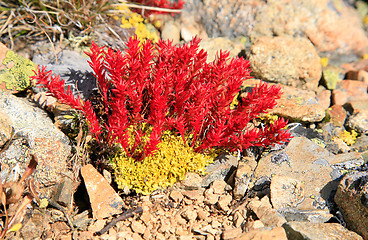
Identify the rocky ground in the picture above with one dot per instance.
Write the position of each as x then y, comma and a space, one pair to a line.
315, 187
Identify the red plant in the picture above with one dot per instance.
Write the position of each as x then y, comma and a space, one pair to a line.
160, 4
174, 88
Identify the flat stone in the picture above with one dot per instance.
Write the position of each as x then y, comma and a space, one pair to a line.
171, 31
317, 231
315, 216
213, 45
103, 198
192, 181
286, 60
337, 114
286, 192
276, 233
231, 234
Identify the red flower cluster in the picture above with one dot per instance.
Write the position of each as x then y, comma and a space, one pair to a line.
160, 4
174, 88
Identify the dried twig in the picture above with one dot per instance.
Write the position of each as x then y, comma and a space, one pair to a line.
129, 213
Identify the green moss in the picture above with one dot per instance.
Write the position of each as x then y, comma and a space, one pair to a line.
168, 165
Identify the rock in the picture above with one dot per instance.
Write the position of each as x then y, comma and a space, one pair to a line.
352, 198
195, 195
276, 233
81, 220
39, 136
312, 164
317, 231
286, 60
63, 192
324, 97
243, 177
189, 214
176, 196
190, 27
337, 115
314, 216
171, 31
192, 181
296, 104
138, 227
5, 128
264, 211
218, 186
15, 70
359, 122
286, 192
349, 90
231, 234
222, 168
73, 68
214, 45
224, 202
210, 197
238, 219
104, 200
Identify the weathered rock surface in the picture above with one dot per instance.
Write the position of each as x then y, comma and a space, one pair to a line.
286, 60
213, 45
352, 199
317, 231
36, 134
311, 164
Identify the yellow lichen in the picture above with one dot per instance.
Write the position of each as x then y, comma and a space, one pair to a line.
348, 137
168, 165
269, 118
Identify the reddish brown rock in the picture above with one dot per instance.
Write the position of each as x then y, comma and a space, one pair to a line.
103, 198
337, 115
349, 90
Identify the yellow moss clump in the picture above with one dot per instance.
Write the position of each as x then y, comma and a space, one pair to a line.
348, 137
168, 165
136, 21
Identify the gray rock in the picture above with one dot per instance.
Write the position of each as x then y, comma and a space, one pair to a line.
243, 177
352, 199
5, 128
286, 60
286, 192
223, 166
318, 231
35, 133
359, 122
314, 216
71, 67
312, 165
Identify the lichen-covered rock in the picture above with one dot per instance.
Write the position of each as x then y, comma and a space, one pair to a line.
286, 60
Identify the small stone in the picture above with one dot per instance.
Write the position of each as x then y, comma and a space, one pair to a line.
171, 31
194, 195
210, 198
138, 227
238, 219
218, 186
243, 177
192, 181
202, 214
189, 214
176, 196
97, 225
160, 236
224, 202
263, 209
230, 234
104, 200
136, 236
276, 233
